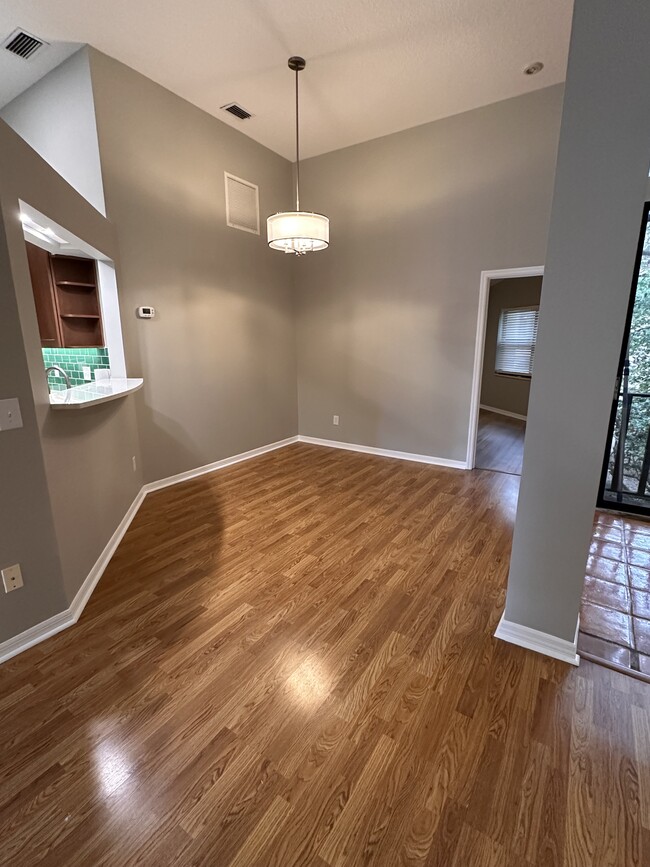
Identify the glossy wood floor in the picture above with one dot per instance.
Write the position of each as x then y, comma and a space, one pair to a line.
291, 662
500, 443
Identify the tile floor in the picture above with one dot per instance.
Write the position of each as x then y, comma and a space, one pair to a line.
615, 615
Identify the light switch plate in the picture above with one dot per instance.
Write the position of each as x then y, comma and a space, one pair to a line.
12, 578
10, 416
85, 370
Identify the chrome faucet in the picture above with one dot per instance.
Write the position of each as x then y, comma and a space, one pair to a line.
49, 370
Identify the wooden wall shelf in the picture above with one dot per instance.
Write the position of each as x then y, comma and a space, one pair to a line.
66, 295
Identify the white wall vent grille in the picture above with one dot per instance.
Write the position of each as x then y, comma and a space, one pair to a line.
242, 204
23, 44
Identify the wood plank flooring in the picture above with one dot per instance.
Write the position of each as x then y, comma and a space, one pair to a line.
500, 443
291, 662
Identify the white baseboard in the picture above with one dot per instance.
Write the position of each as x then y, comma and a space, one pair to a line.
504, 412
36, 634
541, 642
85, 591
46, 629
217, 465
384, 453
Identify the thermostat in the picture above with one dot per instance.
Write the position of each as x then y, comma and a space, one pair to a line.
146, 312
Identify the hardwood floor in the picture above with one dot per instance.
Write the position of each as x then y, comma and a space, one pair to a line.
500, 443
291, 662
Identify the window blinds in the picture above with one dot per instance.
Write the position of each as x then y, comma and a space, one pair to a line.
516, 341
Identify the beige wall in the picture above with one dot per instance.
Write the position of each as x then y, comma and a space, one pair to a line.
600, 186
27, 533
509, 393
219, 358
70, 476
385, 320
387, 316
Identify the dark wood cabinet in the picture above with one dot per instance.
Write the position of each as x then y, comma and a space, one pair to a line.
43, 288
66, 295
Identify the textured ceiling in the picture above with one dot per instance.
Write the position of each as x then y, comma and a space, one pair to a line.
373, 66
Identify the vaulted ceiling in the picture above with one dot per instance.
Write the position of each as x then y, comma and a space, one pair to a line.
373, 66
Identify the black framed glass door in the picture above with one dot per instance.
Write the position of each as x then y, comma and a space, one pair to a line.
626, 470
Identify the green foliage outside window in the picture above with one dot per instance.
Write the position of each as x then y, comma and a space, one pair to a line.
639, 380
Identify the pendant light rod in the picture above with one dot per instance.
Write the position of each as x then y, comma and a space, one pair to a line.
298, 232
297, 64
297, 149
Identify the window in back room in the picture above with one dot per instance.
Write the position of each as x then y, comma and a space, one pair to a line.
517, 335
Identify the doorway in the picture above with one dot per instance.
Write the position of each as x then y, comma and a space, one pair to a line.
615, 611
626, 469
505, 348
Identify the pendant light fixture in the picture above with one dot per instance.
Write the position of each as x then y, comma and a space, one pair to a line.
298, 231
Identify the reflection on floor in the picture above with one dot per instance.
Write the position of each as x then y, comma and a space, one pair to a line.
500, 443
615, 615
292, 662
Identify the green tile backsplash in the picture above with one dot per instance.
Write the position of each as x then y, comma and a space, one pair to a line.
72, 361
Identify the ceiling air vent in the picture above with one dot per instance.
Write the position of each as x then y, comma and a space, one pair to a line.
237, 110
242, 204
23, 44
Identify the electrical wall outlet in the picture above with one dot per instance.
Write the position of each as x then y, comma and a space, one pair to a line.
12, 578
335, 419
87, 374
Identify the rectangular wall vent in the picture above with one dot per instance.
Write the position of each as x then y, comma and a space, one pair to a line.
237, 110
23, 44
242, 204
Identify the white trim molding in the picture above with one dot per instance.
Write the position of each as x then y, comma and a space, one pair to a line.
57, 623
481, 322
217, 465
384, 453
35, 634
85, 591
64, 619
503, 412
541, 642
